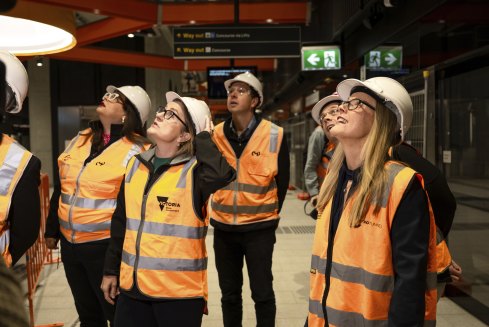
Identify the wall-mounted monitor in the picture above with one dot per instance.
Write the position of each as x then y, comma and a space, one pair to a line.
321, 57
217, 75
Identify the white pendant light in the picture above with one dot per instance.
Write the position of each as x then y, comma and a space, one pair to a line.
35, 29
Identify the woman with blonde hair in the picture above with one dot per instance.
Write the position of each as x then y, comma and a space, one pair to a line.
157, 254
373, 260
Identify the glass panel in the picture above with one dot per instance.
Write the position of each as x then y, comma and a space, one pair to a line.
465, 132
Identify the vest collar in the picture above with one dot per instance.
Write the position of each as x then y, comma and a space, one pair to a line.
147, 158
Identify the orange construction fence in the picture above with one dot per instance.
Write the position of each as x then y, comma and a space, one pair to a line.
39, 254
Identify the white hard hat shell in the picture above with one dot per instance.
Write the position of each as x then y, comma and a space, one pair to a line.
197, 109
249, 79
138, 97
16, 77
391, 92
316, 110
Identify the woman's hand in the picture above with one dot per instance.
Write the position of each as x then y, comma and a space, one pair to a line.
209, 125
109, 288
455, 271
51, 243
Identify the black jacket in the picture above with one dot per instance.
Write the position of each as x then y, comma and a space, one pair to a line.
281, 179
441, 198
25, 210
211, 173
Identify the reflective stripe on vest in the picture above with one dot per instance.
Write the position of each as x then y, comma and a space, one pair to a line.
252, 197
89, 192
14, 159
362, 280
164, 244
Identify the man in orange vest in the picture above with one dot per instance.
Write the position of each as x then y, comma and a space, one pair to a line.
245, 213
19, 173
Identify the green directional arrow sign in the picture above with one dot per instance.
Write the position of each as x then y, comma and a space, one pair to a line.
321, 57
384, 58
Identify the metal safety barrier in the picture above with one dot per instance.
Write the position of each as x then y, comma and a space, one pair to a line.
38, 254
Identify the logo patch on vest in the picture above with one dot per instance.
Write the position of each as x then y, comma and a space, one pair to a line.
255, 153
371, 223
168, 206
100, 163
66, 158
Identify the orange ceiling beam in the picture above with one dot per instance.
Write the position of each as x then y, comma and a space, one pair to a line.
141, 60
183, 13
119, 58
108, 28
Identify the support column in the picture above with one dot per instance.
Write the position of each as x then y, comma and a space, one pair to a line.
40, 114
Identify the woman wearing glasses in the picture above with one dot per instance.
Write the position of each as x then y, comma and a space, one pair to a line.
91, 170
157, 254
373, 259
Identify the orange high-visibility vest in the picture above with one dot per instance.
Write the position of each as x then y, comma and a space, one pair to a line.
13, 158
362, 273
164, 245
89, 192
443, 257
322, 167
252, 197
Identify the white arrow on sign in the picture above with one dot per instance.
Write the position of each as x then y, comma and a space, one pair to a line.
313, 59
390, 58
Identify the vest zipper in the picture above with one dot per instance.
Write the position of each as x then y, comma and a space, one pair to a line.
327, 273
147, 188
73, 200
235, 199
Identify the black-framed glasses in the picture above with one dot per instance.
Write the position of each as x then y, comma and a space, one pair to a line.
332, 112
168, 114
354, 103
241, 90
112, 97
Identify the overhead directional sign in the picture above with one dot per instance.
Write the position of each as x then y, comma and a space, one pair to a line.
384, 58
236, 42
321, 57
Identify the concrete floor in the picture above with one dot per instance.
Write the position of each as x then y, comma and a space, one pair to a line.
54, 302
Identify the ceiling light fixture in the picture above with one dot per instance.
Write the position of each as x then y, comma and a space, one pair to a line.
39, 62
130, 35
269, 20
37, 29
192, 22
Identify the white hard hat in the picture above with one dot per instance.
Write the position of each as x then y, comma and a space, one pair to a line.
393, 95
197, 109
138, 97
17, 79
316, 110
249, 79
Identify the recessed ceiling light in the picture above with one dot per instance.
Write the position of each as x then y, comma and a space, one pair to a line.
192, 22
130, 35
269, 20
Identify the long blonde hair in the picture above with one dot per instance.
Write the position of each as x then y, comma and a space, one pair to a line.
373, 177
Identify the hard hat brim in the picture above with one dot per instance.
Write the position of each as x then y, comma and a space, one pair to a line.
316, 110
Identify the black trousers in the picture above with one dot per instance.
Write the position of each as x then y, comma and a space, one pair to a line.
179, 313
256, 247
84, 265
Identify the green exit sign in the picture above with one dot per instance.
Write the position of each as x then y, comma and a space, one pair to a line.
384, 58
321, 57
